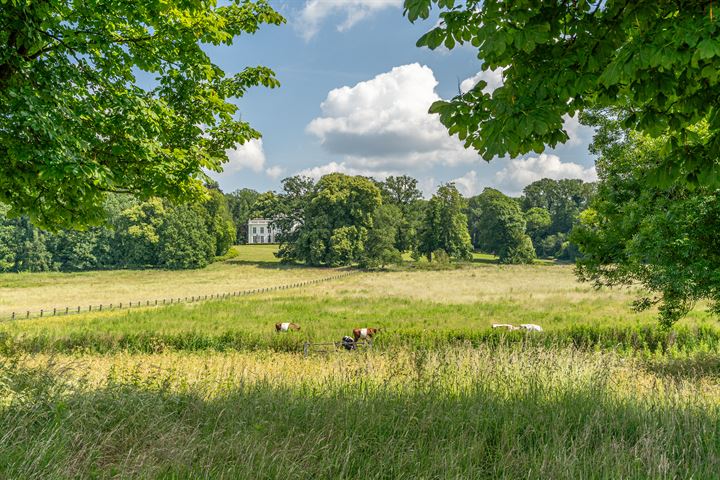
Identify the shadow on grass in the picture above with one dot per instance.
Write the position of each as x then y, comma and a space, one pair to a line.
274, 265
485, 260
142, 427
269, 264
692, 368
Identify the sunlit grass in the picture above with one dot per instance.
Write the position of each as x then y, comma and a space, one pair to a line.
209, 390
451, 413
254, 267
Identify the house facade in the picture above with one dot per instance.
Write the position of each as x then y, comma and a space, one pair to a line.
260, 230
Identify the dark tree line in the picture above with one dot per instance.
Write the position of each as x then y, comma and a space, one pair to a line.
136, 234
538, 224
338, 220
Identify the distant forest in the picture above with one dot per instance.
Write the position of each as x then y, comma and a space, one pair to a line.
338, 220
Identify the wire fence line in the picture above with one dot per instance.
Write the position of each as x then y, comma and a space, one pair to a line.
55, 311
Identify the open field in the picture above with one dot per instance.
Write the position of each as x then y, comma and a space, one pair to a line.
208, 390
416, 306
253, 267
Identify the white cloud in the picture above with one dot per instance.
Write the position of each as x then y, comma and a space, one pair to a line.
493, 78
383, 123
342, 167
468, 184
521, 172
316, 11
579, 134
249, 155
274, 172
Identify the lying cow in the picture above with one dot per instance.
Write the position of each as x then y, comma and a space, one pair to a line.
506, 326
531, 327
364, 333
287, 326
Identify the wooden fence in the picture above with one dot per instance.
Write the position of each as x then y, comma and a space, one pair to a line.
329, 347
55, 311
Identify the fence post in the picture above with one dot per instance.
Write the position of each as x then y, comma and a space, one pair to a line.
67, 310
54, 311
101, 307
90, 308
28, 314
41, 312
78, 308
13, 316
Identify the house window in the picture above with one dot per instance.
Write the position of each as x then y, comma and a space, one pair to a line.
254, 230
262, 230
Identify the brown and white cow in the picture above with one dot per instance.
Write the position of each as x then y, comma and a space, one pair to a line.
364, 333
286, 327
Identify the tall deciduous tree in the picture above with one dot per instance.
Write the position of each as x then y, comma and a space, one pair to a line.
660, 59
380, 249
563, 199
537, 223
403, 192
240, 203
74, 122
335, 223
665, 238
500, 227
445, 225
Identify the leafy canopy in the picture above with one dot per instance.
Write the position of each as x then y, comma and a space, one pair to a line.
499, 227
563, 199
152, 233
444, 226
325, 223
74, 122
403, 192
664, 238
659, 59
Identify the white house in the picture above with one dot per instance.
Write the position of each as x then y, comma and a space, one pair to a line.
260, 230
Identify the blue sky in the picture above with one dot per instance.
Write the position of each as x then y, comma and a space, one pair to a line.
354, 98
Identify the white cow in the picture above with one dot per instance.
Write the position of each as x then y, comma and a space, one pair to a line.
506, 326
531, 327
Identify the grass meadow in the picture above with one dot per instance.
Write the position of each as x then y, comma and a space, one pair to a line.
249, 267
208, 390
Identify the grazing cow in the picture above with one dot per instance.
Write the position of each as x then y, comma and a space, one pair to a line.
287, 326
364, 333
531, 327
506, 326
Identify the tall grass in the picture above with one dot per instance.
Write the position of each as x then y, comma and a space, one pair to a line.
328, 312
453, 413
